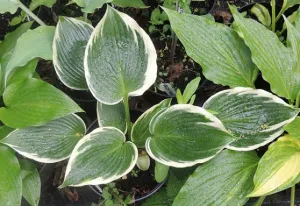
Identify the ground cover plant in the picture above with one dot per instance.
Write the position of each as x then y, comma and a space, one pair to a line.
116, 60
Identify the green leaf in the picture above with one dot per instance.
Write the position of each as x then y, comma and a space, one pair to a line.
89, 6
262, 14
36, 3
69, 45
179, 97
255, 116
41, 38
184, 135
190, 89
4, 131
225, 180
279, 168
292, 19
293, 128
193, 99
10, 6
140, 129
203, 39
6, 50
120, 59
52, 142
155, 17
10, 176
100, 158
112, 116
130, 3
273, 59
161, 172
31, 187
289, 3
22, 72
34, 102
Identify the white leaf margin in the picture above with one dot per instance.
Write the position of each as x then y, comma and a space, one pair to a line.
259, 93
151, 73
55, 57
99, 180
215, 122
34, 156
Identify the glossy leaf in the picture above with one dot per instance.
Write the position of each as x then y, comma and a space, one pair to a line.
69, 45
36, 3
23, 72
36, 43
273, 59
140, 129
10, 6
254, 116
6, 50
89, 6
10, 176
120, 59
31, 183
100, 158
262, 14
279, 168
49, 143
293, 128
203, 39
161, 172
130, 3
112, 116
190, 89
184, 135
225, 180
34, 102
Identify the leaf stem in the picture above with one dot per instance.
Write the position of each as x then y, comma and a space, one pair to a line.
273, 4
279, 14
85, 17
127, 116
297, 102
260, 201
292, 203
31, 14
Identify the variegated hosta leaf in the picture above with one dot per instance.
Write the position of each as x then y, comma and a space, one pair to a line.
34, 102
10, 178
225, 180
52, 142
120, 59
269, 54
254, 116
184, 135
203, 39
36, 43
31, 183
140, 129
100, 157
10, 6
279, 168
293, 128
112, 116
69, 45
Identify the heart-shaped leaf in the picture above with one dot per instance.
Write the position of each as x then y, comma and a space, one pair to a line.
204, 39
31, 183
10, 176
100, 157
69, 45
41, 38
225, 180
279, 168
255, 116
120, 59
184, 135
140, 129
34, 102
293, 128
112, 116
10, 6
275, 61
6, 50
52, 142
